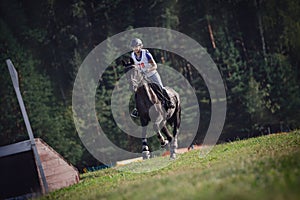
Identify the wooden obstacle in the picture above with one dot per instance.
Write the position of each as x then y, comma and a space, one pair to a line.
59, 173
20, 176
31, 167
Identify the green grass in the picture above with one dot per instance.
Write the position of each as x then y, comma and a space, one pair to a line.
266, 167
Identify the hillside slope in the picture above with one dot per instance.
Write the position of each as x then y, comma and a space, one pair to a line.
266, 167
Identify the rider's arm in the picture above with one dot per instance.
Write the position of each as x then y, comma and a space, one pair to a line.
153, 65
151, 62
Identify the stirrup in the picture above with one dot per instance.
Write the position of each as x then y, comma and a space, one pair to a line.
134, 113
170, 104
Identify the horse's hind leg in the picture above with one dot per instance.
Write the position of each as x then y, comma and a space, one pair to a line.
176, 125
173, 147
174, 143
167, 133
163, 141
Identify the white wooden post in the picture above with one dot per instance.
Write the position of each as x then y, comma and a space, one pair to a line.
14, 77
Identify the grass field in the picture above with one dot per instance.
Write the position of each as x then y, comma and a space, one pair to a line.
266, 167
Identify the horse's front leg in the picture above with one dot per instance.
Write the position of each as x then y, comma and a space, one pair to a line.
145, 147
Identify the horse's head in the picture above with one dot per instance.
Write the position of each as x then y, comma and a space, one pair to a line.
133, 74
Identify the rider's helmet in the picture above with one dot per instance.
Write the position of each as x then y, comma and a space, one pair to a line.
136, 42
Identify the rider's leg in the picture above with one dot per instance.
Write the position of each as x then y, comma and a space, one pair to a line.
164, 96
169, 102
134, 112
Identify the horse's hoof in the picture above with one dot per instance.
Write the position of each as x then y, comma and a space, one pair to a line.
164, 144
146, 155
172, 156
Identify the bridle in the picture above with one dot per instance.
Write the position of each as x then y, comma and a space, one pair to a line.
136, 78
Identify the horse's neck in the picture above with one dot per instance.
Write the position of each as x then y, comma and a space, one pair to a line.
142, 91
145, 91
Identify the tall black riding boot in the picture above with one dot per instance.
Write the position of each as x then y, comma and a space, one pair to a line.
169, 103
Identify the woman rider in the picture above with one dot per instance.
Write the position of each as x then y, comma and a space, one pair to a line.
144, 61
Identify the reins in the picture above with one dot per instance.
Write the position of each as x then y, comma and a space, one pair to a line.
145, 82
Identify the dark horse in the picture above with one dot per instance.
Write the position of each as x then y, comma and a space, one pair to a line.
150, 108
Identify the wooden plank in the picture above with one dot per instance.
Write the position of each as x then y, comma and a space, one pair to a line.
15, 80
59, 173
15, 148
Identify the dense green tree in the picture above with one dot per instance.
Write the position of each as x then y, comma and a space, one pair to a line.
254, 43
49, 119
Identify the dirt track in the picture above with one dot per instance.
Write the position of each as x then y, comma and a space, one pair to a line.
182, 150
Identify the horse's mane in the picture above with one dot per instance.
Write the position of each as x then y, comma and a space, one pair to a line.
151, 93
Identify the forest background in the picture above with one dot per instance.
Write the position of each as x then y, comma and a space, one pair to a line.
255, 44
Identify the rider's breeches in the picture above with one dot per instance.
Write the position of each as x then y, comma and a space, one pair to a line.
155, 78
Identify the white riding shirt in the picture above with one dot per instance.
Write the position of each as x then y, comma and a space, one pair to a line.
143, 62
